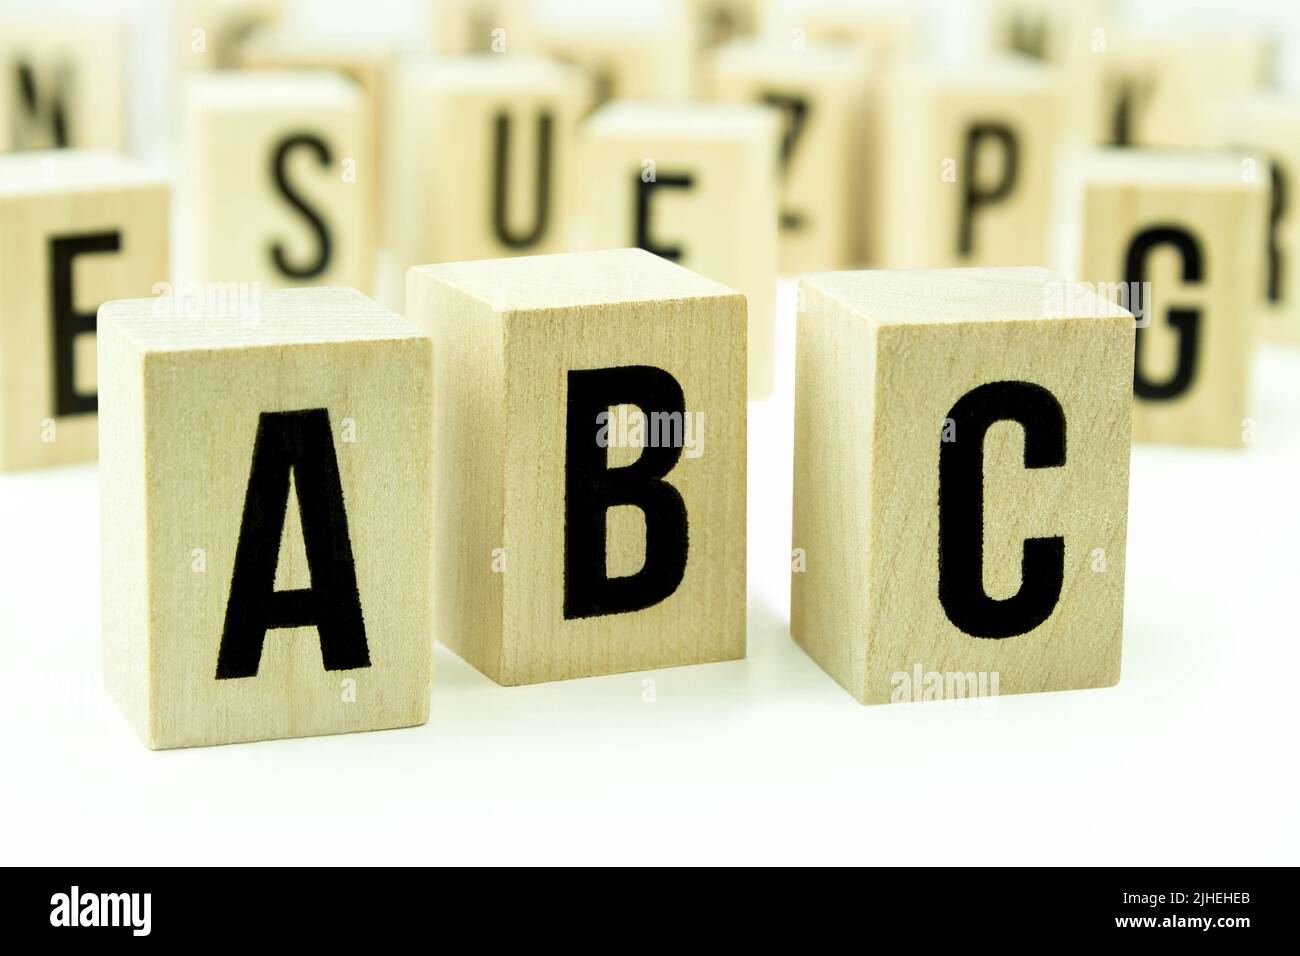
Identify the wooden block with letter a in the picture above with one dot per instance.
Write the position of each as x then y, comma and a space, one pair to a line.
1179, 234
1268, 126
505, 188
972, 164
266, 492
276, 189
974, 526
61, 80
587, 520
76, 227
695, 183
820, 94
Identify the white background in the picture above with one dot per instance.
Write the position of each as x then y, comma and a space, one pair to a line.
1192, 759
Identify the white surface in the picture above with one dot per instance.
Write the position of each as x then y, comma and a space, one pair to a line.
1190, 760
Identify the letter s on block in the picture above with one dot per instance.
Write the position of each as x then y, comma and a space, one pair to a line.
961, 512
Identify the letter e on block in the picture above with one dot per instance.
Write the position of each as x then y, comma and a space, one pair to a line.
229, 436
961, 451
590, 421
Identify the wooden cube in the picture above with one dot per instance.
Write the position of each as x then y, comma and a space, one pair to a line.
1156, 84
1071, 35
277, 180
821, 97
722, 21
1267, 125
267, 487
960, 482
971, 166
887, 32
625, 50
477, 26
1189, 224
210, 34
695, 183
368, 63
61, 81
484, 148
587, 521
76, 227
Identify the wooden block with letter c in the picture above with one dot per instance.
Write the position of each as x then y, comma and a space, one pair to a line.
77, 227
695, 183
960, 481
972, 165
266, 491
588, 522
277, 191
1180, 235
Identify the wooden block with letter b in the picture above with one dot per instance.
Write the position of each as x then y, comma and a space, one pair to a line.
277, 187
960, 481
820, 94
1268, 126
695, 183
971, 165
266, 493
505, 189
76, 227
1180, 235
588, 520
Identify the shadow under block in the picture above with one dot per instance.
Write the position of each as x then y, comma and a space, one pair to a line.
76, 228
276, 182
820, 95
697, 184
1268, 125
61, 81
484, 157
971, 171
266, 498
960, 479
1190, 225
567, 544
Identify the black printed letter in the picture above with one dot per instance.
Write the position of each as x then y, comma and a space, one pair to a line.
644, 191
961, 511
973, 196
315, 266
501, 192
68, 322
300, 442
591, 488
1186, 321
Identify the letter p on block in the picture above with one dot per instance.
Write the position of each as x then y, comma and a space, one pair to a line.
961, 454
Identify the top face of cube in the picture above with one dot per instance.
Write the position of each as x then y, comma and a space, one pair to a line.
574, 280
50, 172
930, 296
768, 60
233, 316
711, 121
1157, 169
